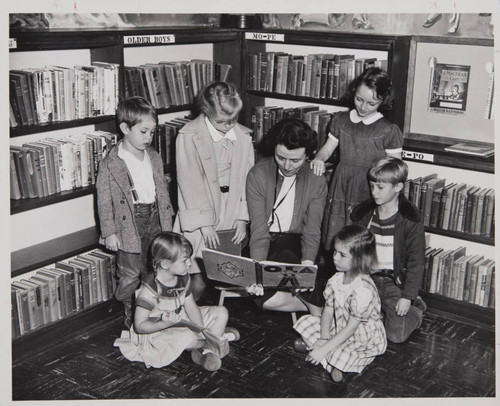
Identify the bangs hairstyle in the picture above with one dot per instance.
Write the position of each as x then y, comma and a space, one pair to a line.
361, 245
377, 80
220, 99
388, 170
171, 246
133, 110
292, 133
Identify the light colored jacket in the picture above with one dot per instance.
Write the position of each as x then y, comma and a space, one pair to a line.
114, 199
199, 194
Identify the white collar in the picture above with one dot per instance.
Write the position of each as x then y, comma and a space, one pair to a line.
216, 135
355, 118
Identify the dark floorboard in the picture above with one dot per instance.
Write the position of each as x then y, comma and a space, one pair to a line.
447, 357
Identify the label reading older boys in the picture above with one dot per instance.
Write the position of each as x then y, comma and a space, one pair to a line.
262, 36
148, 39
418, 156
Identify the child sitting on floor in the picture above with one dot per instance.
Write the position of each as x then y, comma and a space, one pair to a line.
163, 300
349, 333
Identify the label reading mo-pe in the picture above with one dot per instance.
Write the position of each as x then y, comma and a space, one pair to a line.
262, 36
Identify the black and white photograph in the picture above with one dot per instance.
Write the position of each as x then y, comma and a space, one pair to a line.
250, 202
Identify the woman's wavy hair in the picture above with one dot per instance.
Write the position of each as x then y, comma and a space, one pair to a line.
292, 133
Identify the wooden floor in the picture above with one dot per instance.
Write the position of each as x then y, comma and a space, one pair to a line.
447, 357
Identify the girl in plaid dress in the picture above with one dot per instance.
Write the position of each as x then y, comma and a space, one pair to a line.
350, 332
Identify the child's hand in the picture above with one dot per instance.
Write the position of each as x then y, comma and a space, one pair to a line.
318, 353
241, 231
402, 306
170, 318
318, 167
210, 236
112, 242
255, 289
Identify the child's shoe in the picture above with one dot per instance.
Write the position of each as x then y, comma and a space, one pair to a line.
209, 360
420, 304
231, 334
127, 310
300, 346
336, 375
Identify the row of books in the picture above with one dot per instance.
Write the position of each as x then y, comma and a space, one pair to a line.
454, 206
58, 93
314, 75
54, 293
167, 84
265, 117
49, 166
164, 141
454, 274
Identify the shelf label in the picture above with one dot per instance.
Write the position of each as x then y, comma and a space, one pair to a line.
418, 156
148, 39
12, 43
262, 36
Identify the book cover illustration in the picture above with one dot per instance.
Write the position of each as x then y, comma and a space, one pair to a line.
448, 88
243, 272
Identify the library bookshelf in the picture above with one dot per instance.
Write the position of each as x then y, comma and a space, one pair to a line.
73, 236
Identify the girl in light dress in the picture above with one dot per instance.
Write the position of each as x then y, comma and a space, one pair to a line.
162, 301
350, 332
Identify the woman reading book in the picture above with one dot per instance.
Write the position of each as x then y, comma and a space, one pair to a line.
285, 204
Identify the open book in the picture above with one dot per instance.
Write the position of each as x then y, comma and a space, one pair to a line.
240, 271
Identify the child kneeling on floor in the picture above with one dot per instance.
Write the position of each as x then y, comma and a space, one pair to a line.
350, 332
164, 299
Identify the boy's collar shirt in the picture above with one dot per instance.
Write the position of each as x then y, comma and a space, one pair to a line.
141, 173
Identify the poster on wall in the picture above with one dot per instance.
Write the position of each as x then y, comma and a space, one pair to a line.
448, 88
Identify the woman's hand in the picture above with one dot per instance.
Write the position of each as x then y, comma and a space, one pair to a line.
241, 231
170, 318
255, 289
112, 242
318, 167
210, 236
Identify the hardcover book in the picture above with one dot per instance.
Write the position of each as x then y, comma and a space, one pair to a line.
244, 272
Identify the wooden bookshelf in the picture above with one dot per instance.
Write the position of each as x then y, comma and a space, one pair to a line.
464, 309
69, 328
462, 236
21, 205
432, 147
106, 45
48, 252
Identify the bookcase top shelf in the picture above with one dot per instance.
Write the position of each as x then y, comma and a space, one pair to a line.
85, 38
331, 39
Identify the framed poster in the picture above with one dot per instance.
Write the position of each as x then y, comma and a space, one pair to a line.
450, 92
